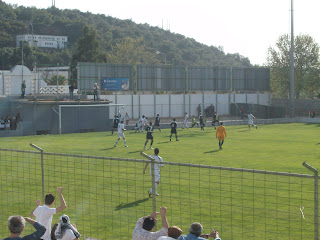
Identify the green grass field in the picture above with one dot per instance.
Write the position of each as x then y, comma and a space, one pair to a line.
112, 195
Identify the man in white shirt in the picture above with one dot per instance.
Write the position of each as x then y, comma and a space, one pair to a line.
121, 134
185, 122
44, 213
144, 226
156, 171
250, 120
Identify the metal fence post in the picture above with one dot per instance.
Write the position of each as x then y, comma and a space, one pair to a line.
316, 199
153, 177
42, 167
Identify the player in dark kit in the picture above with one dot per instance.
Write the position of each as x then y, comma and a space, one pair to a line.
201, 121
174, 126
115, 123
149, 130
157, 122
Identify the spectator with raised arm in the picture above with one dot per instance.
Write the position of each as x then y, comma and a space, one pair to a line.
16, 225
44, 213
144, 226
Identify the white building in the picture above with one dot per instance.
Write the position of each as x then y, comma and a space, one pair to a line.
42, 41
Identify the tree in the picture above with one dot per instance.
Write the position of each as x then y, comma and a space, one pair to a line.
306, 70
131, 51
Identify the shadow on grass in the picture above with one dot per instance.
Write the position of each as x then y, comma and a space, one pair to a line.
213, 151
317, 143
129, 205
163, 142
107, 149
135, 151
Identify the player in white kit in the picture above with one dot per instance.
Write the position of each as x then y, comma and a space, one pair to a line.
185, 122
121, 134
157, 158
250, 120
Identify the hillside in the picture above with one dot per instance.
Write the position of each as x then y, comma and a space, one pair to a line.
109, 31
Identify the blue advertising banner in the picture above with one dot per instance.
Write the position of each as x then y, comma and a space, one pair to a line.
115, 84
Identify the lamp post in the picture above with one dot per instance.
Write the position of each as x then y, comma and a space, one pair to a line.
165, 56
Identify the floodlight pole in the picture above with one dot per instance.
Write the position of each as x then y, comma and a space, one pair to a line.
292, 66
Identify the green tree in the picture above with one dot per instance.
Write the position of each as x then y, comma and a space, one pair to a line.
306, 61
54, 78
131, 51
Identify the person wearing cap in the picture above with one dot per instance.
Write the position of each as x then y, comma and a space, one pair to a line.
174, 232
144, 226
64, 230
195, 233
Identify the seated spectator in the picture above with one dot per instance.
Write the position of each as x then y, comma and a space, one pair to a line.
16, 225
7, 123
173, 233
144, 226
64, 230
195, 233
2, 124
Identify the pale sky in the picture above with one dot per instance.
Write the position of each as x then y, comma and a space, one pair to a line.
247, 27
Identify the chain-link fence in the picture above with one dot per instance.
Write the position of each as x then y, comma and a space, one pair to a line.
106, 196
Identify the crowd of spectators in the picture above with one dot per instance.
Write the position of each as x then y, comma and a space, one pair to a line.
9, 122
144, 226
64, 230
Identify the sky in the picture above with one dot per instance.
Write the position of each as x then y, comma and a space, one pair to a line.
247, 27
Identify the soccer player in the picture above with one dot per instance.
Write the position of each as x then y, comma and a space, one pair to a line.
174, 125
201, 121
121, 134
215, 119
221, 134
156, 168
194, 122
149, 130
185, 122
115, 123
250, 120
157, 122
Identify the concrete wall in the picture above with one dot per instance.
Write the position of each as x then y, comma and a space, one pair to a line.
174, 105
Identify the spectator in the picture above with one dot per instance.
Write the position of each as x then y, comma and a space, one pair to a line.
126, 118
96, 92
195, 233
64, 230
71, 89
44, 213
7, 123
144, 226
16, 225
173, 233
23, 89
2, 124
242, 112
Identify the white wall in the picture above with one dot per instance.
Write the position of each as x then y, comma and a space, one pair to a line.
174, 105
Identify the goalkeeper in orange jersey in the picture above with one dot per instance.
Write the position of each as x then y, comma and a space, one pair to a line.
221, 134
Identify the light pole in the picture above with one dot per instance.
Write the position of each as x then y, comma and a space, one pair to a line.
165, 56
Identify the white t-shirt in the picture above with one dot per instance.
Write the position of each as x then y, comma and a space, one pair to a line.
120, 128
166, 238
250, 117
186, 118
68, 235
44, 216
156, 165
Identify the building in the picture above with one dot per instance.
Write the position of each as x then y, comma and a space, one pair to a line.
42, 41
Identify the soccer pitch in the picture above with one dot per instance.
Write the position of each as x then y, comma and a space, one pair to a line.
279, 147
